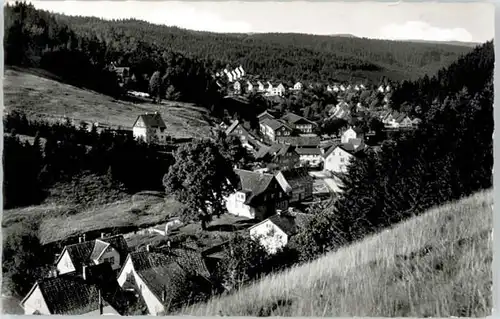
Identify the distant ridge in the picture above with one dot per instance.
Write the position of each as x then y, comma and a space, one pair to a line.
465, 44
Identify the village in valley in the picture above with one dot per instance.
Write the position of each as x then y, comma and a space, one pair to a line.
294, 170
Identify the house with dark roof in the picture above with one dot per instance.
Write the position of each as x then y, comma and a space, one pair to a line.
284, 156
338, 157
265, 115
297, 183
272, 129
276, 231
298, 123
73, 258
162, 277
94, 291
352, 133
258, 195
150, 128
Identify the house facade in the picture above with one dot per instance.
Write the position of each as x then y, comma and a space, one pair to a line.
299, 123
93, 292
338, 158
310, 156
284, 156
297, 86
237, 87
272, 129
159, 277
350, 134
150, 128
297, 183
258, 196
276, 231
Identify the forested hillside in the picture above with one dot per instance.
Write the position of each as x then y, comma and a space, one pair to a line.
423, 168
285, 56
79, 48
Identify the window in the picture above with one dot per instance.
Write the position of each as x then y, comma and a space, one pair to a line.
342, 160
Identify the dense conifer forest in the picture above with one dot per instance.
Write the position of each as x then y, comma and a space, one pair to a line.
80, 48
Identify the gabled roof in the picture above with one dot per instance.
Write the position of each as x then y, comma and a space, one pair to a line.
274, 150
297, 175
167, 273
357, 130
348, 147
274, 124
265, 113
294, 118
83, 253
151, 120
255, 183
289, 223
69, 294
99, 248
231, 128
308, 151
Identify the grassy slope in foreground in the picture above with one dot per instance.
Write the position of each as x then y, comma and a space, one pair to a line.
42, 96
436, 265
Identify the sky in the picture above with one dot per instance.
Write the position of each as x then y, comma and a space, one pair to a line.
466, 22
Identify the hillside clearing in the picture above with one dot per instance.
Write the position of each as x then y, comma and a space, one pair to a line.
40, 96
57, 222
434, 265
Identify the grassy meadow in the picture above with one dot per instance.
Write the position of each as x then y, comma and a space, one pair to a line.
40, 95
434, 265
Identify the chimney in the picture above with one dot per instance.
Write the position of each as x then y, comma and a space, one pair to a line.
103, 235
164, 293
84, 235
84, 272
80, 239
101, 310
148, 247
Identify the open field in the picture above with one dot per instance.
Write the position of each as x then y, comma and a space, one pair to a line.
59, 221
41, 96
434, 265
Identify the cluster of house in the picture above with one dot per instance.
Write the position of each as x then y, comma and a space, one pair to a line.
103, 277
396, 120
288, 142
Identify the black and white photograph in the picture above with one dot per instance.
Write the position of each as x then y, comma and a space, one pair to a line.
261, 158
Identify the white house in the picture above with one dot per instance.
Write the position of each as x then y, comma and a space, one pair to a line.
342, 88
261, 86
337, 158
280, 90
150, 128
234, 75
258, 196
111, 249
275, 232
237, 87
242, 72
381, 89
249, 86
298, 86
158, 277
230, 76
269, 88
238, 73
310, 156
351, 133
75, 294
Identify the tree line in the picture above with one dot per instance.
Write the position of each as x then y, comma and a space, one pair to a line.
419, 169
32, 168
37, 38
